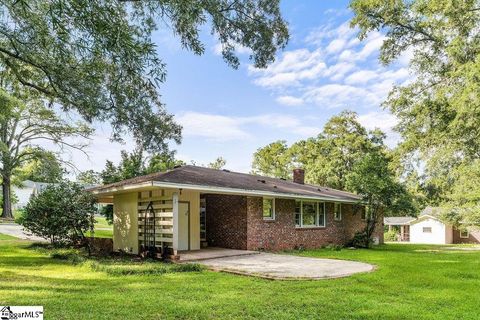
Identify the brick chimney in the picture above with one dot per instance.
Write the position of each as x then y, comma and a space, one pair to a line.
299, 176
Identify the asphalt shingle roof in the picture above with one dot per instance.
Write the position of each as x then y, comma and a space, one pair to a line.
397, 221
200, 176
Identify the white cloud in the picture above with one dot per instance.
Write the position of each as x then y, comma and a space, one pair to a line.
334, 70
290, 101
214, 127
336, 45
361, 77
340, 96
292, 68
384, 121
228, 128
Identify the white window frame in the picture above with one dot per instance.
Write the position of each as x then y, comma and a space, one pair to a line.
339, 217
273, 209
317, 215
464, 237
423, 230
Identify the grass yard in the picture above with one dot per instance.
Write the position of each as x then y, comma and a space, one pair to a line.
102, 228
412, 281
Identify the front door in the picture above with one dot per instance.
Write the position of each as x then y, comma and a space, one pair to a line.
183, 225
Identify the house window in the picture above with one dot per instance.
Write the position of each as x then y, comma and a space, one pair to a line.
268, 208
337, 211
298, 213
427, 229
464, 234
363, 215
309, 214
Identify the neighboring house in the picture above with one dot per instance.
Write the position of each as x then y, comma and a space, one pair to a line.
400, 224
196, 206
428, 228
25, 192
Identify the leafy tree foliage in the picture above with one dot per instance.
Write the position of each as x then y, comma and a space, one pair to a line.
44, 168
62, 213
218, 164
372, 178
98, 58
137, 164
89, 177
24, 122
274, 160
462, 205
439, 110
327, 158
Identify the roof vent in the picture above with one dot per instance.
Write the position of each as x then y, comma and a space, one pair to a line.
177, 166
262, 181
226, 170
275, 187
283, 179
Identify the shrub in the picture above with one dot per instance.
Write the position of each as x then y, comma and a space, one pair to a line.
390, 235
62, 213
361, 240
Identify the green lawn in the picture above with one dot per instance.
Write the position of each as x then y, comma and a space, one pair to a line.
411, 281
102, 223
102, 228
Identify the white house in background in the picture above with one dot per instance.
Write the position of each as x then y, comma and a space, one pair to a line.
429, 229
24, 193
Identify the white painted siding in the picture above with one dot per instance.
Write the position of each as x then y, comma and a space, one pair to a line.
437, 236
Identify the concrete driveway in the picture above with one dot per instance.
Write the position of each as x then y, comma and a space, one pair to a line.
286, 267
16, 230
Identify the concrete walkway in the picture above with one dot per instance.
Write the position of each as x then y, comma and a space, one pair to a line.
16, 230
286, 267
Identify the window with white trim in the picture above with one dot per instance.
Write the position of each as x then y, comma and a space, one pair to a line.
363, 214
337, 211
309, 214
464, 234
427, 229
268, 209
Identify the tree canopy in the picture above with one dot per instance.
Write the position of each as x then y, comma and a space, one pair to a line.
327, 158
137, 163
46, 167
25, 122
439, 109
98, 57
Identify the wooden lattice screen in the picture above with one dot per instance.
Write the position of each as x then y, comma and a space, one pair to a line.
155, 221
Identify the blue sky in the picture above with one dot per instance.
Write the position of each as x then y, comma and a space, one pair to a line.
230, 113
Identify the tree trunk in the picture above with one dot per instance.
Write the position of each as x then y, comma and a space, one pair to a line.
7, 200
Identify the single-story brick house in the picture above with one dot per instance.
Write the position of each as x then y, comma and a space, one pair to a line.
190, 207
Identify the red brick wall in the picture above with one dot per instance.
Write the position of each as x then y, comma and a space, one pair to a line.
226, 221
474, 237
237, 222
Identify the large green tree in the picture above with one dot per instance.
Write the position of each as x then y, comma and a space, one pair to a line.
98, 57
373, 178
25, 122
327, 158
274, 160
137, 163
45, 167
439, 109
